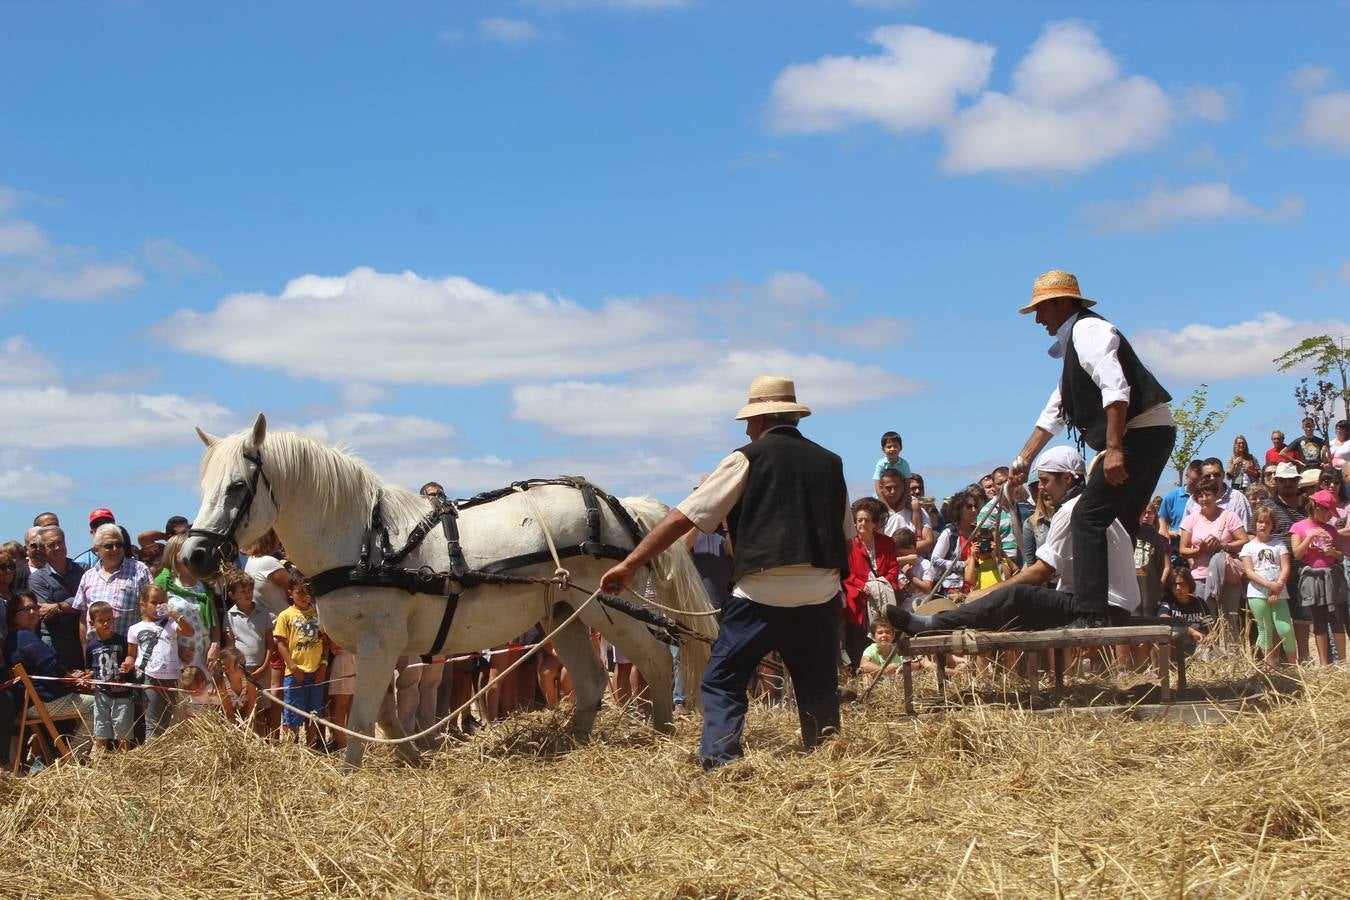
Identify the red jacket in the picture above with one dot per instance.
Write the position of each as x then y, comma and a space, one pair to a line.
855, 601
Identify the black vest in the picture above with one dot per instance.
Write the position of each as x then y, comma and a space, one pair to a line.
792, 509
1081, 399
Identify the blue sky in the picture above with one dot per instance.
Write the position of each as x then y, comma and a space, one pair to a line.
481, 242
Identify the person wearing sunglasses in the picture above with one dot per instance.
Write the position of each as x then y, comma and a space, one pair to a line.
22, 645
117, 579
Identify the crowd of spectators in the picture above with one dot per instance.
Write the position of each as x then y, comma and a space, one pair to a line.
125, 635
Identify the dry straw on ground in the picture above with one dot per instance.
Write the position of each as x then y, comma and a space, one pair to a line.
980, 801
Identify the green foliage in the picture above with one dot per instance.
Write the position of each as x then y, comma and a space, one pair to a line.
1324, 354
1196, 423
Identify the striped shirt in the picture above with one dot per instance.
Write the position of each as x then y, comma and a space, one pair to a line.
120, 589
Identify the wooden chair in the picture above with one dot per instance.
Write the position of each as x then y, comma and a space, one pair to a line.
34, 720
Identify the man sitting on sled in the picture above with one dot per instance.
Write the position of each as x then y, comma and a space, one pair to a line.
1025, 601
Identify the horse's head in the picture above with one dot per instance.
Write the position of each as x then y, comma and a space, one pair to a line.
238, 505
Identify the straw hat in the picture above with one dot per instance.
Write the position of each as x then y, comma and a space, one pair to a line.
772, 394
1053, 284
1309, 478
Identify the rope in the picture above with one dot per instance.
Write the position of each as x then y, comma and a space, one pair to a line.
560, 574
316, 719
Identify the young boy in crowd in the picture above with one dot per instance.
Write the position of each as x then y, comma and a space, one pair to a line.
916, 575
109, 664
152, 648
304, 651
881, 655
248, 627
890, 460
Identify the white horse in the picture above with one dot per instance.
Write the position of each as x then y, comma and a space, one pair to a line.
320, 500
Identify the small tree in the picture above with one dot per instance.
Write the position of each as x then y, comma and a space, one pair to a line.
1325, 354
1318, 403
1196, 423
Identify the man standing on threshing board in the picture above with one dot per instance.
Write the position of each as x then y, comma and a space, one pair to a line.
786, 507
1026, 600
1114, 405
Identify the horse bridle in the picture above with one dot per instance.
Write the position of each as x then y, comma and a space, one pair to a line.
223, 544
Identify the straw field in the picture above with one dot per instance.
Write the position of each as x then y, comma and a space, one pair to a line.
980, 801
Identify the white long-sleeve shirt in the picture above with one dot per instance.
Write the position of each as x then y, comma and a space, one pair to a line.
1098, 343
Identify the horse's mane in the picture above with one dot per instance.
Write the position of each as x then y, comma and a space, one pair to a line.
337, 479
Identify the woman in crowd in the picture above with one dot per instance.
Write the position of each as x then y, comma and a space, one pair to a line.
22, 645
1037, 526
1340, 445
873, 577
1243, 471
953, 546
1211, 538
8, 566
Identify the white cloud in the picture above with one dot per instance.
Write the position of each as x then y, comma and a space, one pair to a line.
9, 198
793, 289
358, 396
449, 36
381, 328
876, 333
163, 255
46, 413
1343, 273
1165, 206
509, 31
86, 281
1070, 109
1206, 103
53, 418
699, 403
32, 485
22, 364
1200, 352
912, 84
20, 238
1326, 121
1309, 78
370, 431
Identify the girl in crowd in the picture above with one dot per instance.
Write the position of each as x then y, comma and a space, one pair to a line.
1037, 526
1321, 580
873, 573
9, 564
238, 695
986, 566
1243, 471
1266, 563
194, 602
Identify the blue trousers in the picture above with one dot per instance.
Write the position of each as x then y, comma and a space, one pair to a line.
807, 639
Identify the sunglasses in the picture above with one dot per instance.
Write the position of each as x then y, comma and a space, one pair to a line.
7, 567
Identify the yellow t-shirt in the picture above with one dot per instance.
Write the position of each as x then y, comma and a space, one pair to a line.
303, 637
986, 574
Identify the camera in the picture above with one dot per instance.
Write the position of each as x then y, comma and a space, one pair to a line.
986, 546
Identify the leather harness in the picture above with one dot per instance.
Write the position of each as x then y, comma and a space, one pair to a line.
379, 563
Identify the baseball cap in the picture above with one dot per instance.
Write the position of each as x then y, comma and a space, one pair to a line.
101, 513
1325, 499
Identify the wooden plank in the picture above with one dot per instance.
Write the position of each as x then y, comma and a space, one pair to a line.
907, 669
992, 641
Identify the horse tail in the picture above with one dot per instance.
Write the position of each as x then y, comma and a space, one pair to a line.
679, 587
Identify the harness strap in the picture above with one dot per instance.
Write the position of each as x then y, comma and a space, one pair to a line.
443, 630
595, 550
450, 528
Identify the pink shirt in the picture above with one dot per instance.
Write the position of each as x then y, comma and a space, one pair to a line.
1225, 526
1324, 538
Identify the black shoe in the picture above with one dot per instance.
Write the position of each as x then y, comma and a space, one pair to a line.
905, 622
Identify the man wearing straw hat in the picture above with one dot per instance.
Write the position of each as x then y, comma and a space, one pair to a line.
1114, 405
786, 507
